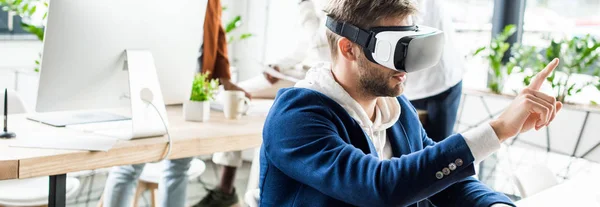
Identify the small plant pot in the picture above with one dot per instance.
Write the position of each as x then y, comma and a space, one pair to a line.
196, 111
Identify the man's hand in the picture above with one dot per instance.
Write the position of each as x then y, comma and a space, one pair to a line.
230, 86
530, 109
270, 78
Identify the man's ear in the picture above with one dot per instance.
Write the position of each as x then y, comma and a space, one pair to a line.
346, 49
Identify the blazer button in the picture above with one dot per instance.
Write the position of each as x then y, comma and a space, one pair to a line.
452, 166
458, 162
439, 175
446, 171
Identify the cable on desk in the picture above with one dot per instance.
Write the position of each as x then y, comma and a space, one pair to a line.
170, 143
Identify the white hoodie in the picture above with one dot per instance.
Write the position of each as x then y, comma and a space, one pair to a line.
387, 111
482, 140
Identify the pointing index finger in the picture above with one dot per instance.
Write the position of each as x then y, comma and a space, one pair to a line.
539, 78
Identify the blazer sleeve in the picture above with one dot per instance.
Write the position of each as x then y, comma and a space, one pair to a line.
467, 191
302, 139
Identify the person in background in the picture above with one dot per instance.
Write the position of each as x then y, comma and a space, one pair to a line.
172, 187
310, 50
437, 90
214, 59
344, 136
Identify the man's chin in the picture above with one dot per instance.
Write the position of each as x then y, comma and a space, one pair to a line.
396, 91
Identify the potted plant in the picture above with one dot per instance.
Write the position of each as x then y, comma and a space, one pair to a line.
578, 55
494, 53
203, 91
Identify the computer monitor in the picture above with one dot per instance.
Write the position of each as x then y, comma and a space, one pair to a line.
112, 53
84, 50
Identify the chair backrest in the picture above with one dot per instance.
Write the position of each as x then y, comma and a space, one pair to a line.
533, 179
15, 103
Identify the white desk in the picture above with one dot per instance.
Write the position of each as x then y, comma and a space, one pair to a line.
581, 191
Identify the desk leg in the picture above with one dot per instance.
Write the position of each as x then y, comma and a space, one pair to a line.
58, 191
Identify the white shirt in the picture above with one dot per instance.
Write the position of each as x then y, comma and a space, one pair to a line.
449, 71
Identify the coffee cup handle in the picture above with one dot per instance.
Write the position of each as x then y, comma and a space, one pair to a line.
246, 101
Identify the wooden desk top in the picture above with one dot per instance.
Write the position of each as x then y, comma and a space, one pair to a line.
189, 139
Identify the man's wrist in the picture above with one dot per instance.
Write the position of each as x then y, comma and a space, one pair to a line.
498, 125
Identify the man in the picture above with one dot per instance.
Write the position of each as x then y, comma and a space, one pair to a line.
437, 90
173, 184
342, 137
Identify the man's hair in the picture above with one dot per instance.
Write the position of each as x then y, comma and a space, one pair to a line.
364, 14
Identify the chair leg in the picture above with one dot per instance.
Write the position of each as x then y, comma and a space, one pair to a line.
153, 187
141, 187
101, 201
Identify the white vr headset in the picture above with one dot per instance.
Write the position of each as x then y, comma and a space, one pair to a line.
402, 48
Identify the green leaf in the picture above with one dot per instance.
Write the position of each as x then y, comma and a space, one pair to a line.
527, 80
37, 62
593, 103
245, 36
233, 24
479, 50
32, 10
37, 31
45, 15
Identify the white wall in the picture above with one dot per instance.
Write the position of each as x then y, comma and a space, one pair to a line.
17, 62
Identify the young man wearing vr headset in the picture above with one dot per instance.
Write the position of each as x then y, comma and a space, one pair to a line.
345, 137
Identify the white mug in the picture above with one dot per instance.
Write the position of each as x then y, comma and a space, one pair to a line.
235, 104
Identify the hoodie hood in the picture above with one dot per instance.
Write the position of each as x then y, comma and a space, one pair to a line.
320, 78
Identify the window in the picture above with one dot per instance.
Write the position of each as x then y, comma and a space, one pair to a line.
6, 27
473, 24
549, 19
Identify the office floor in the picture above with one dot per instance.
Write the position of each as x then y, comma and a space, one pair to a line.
89, 195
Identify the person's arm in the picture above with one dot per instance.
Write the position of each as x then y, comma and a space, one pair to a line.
310, 22
469, 191
531, 109
301, 140
222, 68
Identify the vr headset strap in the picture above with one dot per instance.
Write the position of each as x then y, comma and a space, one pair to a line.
357, 35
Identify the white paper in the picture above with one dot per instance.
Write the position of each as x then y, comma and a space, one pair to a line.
279, 75
83, 141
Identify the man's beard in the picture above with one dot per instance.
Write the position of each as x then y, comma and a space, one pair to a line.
375, 82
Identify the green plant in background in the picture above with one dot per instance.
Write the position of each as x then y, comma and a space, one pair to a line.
26, 9
232, 25
494, 53
578, 55
203, 89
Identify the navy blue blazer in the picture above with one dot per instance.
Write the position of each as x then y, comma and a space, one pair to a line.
315, 154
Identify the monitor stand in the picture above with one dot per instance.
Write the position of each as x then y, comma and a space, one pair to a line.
144, 89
